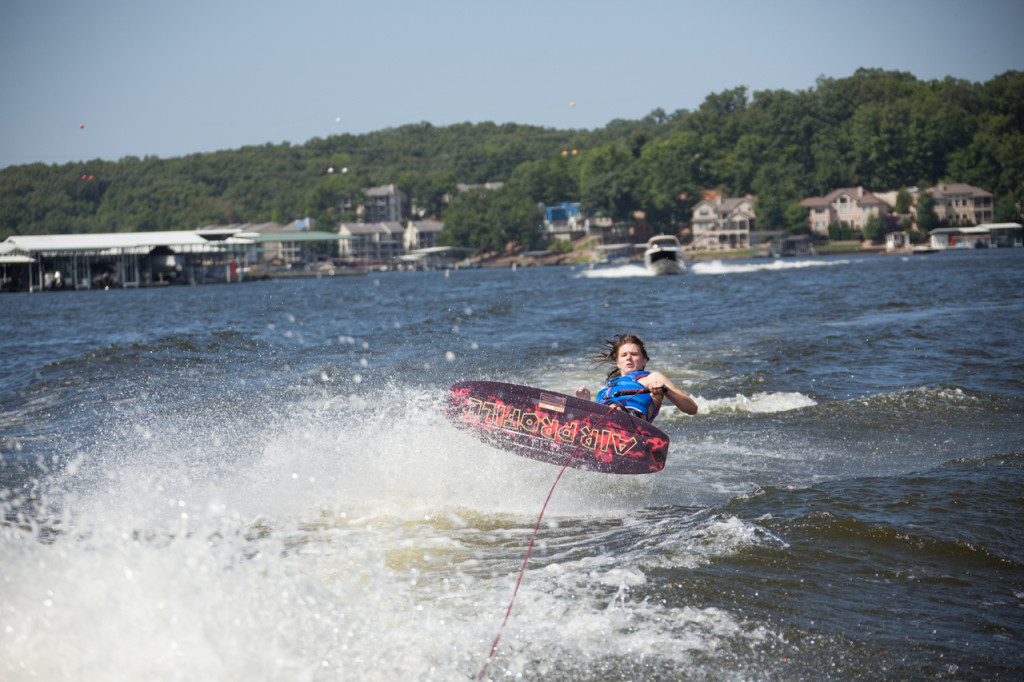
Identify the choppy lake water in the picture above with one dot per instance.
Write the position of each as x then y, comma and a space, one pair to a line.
256, 481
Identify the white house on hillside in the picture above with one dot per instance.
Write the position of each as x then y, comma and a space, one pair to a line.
722, 224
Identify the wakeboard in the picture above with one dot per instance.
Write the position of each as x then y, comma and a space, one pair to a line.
556, 428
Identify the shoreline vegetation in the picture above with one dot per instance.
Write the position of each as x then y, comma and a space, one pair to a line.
877, 129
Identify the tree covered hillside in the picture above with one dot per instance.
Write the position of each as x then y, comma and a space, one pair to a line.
879, 129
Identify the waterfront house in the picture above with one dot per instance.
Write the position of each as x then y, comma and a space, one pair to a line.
958, 203
422, 234
852, 206
721, 224
564, 221
371, 242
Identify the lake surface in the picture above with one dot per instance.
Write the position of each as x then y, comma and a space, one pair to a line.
256, 481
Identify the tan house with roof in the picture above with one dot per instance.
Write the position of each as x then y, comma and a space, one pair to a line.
850, 205
961, 204
371, 242
722, 224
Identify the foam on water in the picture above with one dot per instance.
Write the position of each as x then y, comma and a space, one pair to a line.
333, 539
192, 525
717, 267
756, 402
616, 272
713, 267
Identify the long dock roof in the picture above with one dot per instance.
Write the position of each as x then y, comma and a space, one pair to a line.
125, 242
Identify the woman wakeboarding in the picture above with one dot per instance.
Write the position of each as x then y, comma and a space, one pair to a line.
630, 386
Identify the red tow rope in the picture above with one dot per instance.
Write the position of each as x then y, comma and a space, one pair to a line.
522, 569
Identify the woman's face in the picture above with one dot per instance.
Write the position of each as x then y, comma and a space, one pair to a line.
629, 358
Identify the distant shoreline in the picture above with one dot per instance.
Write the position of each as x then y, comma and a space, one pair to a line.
506, 259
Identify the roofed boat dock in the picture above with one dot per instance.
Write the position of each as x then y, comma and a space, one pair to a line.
143, 259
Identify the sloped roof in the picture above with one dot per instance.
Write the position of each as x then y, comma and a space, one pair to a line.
957, 188
859, 194
725, 204
733, 204
10, 254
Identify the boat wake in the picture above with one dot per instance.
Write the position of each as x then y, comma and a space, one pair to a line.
717, 267
714, 267
617, 271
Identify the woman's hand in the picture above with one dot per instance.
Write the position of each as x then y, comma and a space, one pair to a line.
583, 392
661, 387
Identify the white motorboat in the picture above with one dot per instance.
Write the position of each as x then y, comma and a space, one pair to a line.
664, 255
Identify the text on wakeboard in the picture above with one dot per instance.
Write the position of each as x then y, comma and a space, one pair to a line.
516, 420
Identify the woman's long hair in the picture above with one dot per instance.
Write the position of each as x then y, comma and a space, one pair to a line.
609, 352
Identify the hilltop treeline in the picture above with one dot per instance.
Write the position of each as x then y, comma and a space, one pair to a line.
880, 129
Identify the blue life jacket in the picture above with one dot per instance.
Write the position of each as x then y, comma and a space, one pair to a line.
639, 405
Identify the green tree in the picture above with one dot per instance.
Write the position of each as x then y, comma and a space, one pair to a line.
670, 177
465, 220
796, 218
876, 128
490, 219
927, 220
726, 102
842, 232
512, 217
882, 143
994, 158
904, 200
771, 211
874, 229
776, 188
608, 182
738, 169
430, 191
1008, 208
548, 181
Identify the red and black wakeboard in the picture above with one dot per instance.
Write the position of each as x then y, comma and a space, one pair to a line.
552, 427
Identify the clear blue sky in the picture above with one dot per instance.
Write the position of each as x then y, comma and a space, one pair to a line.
171, 78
